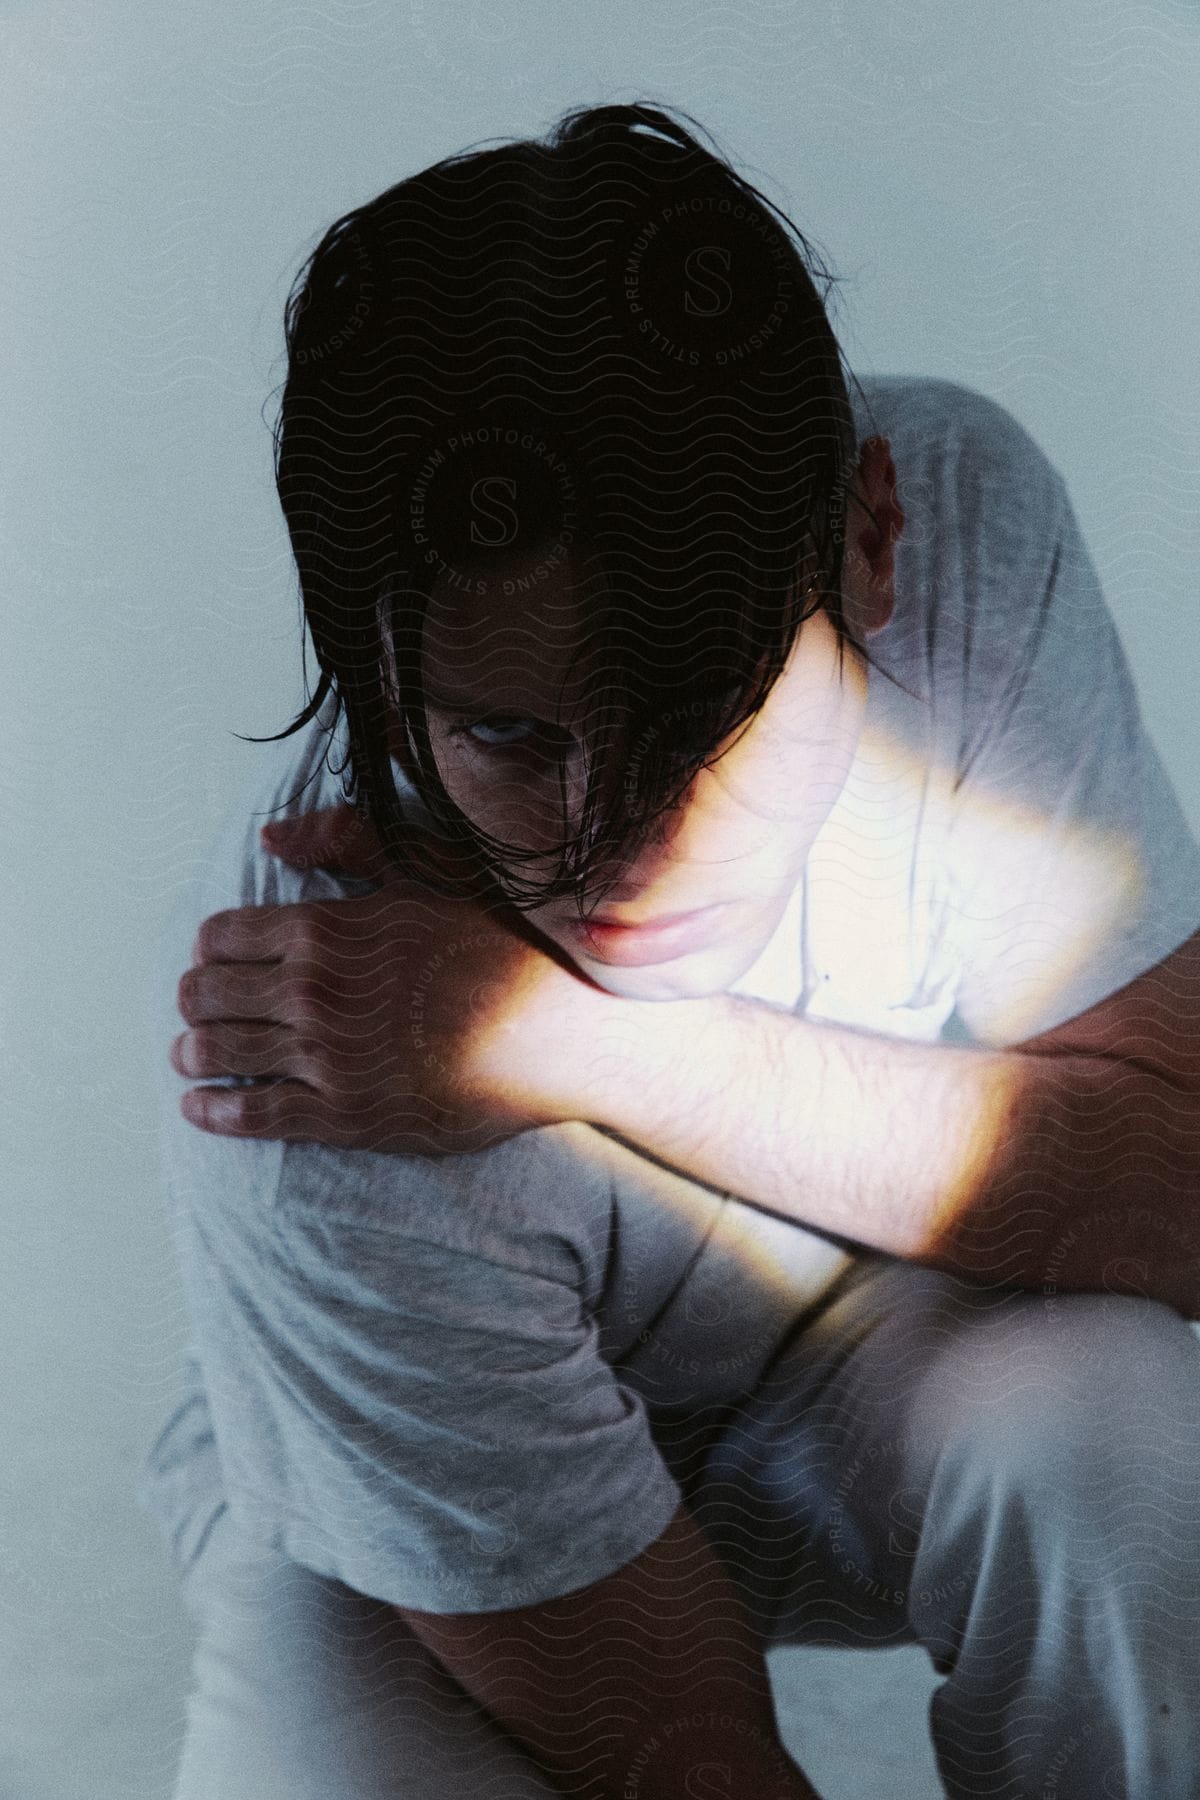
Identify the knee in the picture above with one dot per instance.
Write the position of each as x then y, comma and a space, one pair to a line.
1092, 1395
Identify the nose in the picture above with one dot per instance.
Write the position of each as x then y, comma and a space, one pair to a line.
656, 857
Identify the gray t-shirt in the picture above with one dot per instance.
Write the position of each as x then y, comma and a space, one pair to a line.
439, 1380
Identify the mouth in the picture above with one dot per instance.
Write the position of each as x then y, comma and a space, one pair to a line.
657, 941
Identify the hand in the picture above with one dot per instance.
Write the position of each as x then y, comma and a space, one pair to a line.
398, 1021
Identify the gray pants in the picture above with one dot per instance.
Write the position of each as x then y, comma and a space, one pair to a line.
1011, 1480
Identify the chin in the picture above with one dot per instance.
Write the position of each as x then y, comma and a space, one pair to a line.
695, 977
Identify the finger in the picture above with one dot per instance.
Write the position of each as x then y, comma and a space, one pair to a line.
297, 1112
337, 837
333, 837
279, 1109
247, 933
231, 1047
231, 990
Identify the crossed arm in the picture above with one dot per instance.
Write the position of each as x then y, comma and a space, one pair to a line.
1072, 1159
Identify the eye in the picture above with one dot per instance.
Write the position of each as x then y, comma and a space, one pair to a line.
533, 731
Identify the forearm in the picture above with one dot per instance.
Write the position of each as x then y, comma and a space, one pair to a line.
999, 1165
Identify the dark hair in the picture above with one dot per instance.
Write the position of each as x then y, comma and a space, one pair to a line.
611, 332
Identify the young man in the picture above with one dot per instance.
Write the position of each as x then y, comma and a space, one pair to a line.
762, 1315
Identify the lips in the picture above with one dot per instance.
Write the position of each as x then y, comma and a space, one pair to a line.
661, 940
644, 924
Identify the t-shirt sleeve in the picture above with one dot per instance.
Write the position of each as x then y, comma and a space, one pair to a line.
428, 1425
1071, 867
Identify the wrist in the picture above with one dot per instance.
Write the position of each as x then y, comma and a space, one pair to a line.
569, 1040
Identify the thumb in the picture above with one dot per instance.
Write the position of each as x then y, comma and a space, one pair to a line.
334, 837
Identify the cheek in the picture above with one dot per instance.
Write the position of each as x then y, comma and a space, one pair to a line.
778, 791
793, 765
522, 807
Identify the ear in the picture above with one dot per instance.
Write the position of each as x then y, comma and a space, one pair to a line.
875, 520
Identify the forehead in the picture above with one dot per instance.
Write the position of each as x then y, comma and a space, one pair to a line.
513, 644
